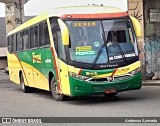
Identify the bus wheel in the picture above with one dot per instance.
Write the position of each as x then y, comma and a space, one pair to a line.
57, 96
25, 88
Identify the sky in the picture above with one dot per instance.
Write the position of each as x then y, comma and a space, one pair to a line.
35, 7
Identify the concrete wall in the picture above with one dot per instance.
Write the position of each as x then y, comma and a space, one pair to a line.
14, 14
152, 38
2, 32
3, 42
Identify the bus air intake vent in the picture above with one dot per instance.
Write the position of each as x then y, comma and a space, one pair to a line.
124, 77
97, 80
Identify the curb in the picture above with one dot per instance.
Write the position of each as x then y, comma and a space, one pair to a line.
151, 83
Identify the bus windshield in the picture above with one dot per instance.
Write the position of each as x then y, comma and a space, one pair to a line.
102, 41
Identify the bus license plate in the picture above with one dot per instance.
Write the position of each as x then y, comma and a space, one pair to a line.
110, 91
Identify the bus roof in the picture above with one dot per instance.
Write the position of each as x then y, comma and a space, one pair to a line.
84, 10
75, 12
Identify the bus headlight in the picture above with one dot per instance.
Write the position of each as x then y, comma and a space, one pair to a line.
136, 71
74, 75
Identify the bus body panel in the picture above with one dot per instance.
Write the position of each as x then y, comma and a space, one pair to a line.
80, 87
36, 64
64, 78
14, 68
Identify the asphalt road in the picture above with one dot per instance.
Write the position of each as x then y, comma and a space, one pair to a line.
15, 103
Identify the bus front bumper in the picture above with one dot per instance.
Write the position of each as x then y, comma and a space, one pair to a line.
82, 88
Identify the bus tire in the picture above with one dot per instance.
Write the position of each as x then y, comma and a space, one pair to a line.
25, 88
57, 96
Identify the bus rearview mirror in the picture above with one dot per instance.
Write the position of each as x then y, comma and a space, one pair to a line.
64, 32
137, 26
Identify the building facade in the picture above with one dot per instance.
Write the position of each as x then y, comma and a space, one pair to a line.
3, 42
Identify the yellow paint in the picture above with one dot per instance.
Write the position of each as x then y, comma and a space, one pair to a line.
137, 26
77, 70
38, 56
64, 78
83, 48
91, 73
14, 68
34, 77
39, 80
102, 75
71, 68
85, 24
121, 70
50, 33
28, 74
64, 32
127, 69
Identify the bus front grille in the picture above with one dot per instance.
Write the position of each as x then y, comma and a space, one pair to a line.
97, 80
115, 78
124, 77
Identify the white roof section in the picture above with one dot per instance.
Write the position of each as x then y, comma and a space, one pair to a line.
83, 10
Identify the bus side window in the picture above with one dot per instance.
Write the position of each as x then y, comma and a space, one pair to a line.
9, 44
25, 37
36, 36
32, 42
20, 42
17, 40
46, 35
14, 42
28, 42
41, 34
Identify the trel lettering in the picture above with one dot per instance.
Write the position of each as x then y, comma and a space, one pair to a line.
36, 58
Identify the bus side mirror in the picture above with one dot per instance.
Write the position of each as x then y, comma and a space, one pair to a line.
137, 26
64, 32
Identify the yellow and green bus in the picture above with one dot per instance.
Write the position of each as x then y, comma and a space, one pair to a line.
71, 51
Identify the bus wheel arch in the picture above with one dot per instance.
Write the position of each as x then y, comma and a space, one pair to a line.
24, 88
20, 72
50, 76
53, 88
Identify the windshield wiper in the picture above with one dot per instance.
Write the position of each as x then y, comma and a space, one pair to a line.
122, 53
97, 57
99, 52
